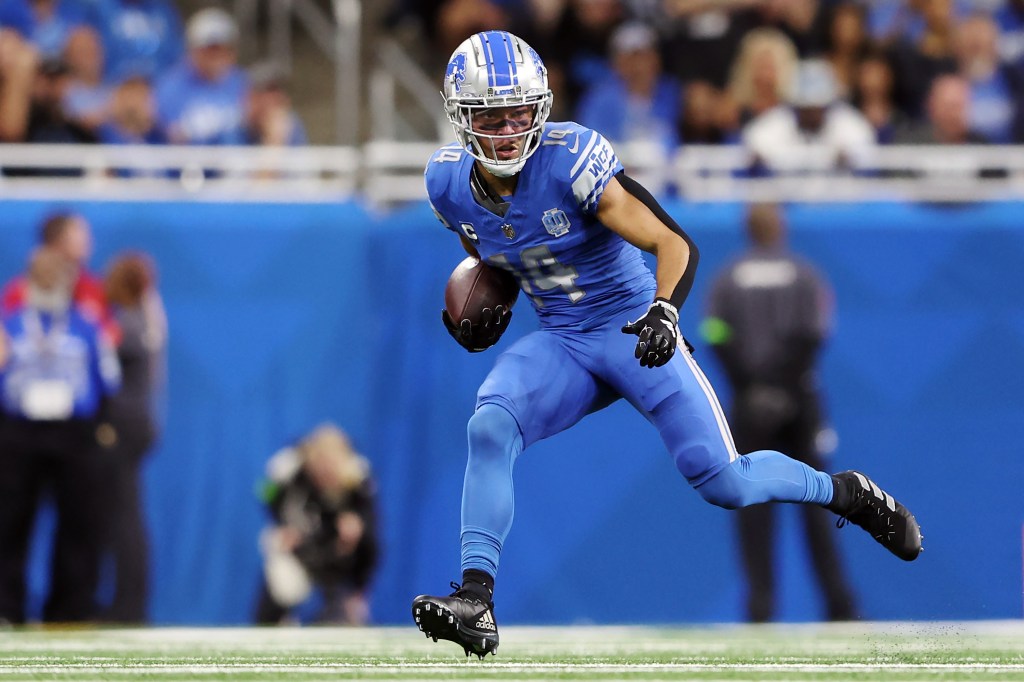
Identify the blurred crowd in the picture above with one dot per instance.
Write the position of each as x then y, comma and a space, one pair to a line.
769, 74
81, 366
131, 72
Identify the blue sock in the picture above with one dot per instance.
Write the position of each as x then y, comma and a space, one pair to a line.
766, 476
487, 496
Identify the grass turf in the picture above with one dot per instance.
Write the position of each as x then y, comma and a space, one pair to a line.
862, 651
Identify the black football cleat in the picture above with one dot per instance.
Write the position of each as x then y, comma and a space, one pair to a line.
462, 618
878, 512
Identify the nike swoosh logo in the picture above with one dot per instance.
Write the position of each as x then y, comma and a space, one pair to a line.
575, 145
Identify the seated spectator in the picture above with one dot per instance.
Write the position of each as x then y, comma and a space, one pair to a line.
87, 97
704, 37
48, 122
18, 64
47, 24
894, 20
805, 22
788, 138
270, 118
762, 73
322, 498
872, 95
202, 100
141, 37
456, 19
996, 88
132, 115
948, 108
637, 102
916, 63
707, 116
1009, 17
847, 44
576, 50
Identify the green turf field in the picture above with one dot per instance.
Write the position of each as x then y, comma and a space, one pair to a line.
863, 651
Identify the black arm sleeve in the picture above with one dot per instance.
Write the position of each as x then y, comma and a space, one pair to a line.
682, 288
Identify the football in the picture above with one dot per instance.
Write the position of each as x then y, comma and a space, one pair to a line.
473, 286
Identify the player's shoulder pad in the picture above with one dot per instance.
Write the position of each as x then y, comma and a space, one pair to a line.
581, 158
443, 165
441, 172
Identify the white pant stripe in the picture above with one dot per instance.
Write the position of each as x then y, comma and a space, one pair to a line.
716, 407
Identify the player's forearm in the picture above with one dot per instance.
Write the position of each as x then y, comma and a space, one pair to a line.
673, 257
676, 253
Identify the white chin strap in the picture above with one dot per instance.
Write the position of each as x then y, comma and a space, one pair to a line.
504, 170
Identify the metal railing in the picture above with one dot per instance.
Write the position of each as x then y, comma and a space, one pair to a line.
386, 173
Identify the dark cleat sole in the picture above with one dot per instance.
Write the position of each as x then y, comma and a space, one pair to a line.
437, 621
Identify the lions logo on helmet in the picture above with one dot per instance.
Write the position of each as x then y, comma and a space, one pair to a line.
456, 73
490, 70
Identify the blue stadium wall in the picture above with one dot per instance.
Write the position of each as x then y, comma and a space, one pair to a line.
283, 316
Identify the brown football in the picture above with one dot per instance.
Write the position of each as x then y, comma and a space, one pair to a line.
473, 286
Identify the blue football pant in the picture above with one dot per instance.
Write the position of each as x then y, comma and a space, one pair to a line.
549, 380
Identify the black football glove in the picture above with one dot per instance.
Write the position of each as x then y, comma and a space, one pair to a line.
479, 337
657, 331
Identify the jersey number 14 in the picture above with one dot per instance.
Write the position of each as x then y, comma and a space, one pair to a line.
543, 272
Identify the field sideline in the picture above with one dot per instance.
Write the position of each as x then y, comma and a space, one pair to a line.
862, 651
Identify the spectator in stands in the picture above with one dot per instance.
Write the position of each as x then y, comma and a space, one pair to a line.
58, 372
894, 20
708, 117
790, 137
141, 37
18, 64
762, 73
48, 121
704, 37
579, 47
872, 95
132, 115
47, 24
444, 23
270, 118
458, 18
137, 306
996, 88
769, 314
637, 102
69, 235
202, 100
1010, 18
917, 62
847, 44
948, 110
322, 498
87, 97
805, 22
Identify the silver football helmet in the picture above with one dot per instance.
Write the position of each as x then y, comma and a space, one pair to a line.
497, 69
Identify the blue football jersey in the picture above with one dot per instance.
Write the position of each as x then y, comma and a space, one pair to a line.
577, 273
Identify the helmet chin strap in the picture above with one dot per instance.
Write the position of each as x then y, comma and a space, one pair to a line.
504, 170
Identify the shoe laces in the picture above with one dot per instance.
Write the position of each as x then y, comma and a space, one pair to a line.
860, 502
461, 592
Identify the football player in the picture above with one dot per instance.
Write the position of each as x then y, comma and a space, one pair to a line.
550, 203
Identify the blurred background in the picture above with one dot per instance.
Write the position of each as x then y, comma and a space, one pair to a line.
266, 157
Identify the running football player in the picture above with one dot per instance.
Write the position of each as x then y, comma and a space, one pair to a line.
550, 203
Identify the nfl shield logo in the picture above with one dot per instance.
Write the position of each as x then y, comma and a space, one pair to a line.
509, 231
555, 222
